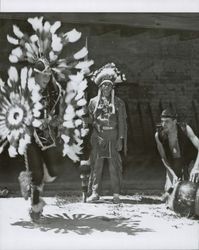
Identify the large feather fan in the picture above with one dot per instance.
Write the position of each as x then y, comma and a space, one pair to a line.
45, 47
45, 43
73, 128
20, 108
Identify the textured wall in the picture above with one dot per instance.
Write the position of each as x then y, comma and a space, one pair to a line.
161, 67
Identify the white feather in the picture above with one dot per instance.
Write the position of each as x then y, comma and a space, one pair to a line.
65, 138
36, 123
24, 73
72, 86
84, 132
69, 116
81, 53
79, 95
12, 40
84, 64
56, 43
55, 27
29, 49
83, 85
69, 151
73, 35
76, 148
82, 102
80, 112
36, 23
76, 78
13, 59
17, 32
13, 74
30, 72
31, 83
36, 97
78, 122
70, 110
27, 138
69, 97
52, 56
12, 151
33, 38
77, 132
17, 52
68, 124
38, 106
46, 26
36, 113
22, 146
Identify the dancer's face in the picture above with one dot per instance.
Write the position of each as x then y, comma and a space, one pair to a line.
42, 74
106, 89
168, 124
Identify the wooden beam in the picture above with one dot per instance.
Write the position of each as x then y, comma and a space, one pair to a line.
178, 21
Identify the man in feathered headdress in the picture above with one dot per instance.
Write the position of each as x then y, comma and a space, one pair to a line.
61, 84
109, 134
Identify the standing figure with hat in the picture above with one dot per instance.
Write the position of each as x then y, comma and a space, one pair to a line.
54, 85
178, 147
109, 131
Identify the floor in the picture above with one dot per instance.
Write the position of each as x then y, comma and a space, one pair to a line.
138, 222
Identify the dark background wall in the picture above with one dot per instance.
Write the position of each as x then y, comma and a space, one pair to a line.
158, 54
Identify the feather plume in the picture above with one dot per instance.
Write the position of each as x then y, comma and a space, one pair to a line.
76, 78
17, 52
34, 38
80, 112
12, 151
36, 23
24, 73
78, 122
84, 132
13, 59
70, 153
72, 86
56, 43
68, 124
17, 31
36, 113
65, 138
82, 102
12, 40
36, 123
77, 132
55, 27
47, 26
52, 56
69, 97
73, 35
31, 83
30, 72
81, 53
13, 74
79, 95
84, 64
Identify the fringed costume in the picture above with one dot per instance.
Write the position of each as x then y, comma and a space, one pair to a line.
43, 104
109, 133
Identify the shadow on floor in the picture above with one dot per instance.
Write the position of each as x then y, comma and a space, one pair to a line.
84, 224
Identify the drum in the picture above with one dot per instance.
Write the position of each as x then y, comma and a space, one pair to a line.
184, 199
